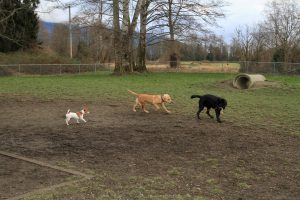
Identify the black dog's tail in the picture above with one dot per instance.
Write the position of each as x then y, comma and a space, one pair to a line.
195, 96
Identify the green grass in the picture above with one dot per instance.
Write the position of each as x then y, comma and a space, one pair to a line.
214, 186
176, 171
297, 134
277, 107
244, 185
122, 188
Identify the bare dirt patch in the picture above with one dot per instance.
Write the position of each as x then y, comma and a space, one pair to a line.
227, 84
19, 177
199, 158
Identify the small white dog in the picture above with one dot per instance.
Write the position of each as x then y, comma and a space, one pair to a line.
77, 115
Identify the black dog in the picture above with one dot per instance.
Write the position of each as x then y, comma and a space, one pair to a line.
210, 101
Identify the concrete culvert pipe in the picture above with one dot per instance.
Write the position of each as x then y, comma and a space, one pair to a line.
246, 81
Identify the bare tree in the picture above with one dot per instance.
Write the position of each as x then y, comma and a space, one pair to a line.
119, 69
43, 34
91, 14
260, 51
185, 16
91, 18
125, 36
60, 40
283, 27
179, 14
243, 36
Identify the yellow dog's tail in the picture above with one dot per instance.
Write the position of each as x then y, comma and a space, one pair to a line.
133, 92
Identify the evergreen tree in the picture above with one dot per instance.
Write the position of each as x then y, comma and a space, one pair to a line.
18, 24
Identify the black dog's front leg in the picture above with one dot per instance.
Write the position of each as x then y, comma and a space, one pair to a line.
207, 112
218, 111
198, 114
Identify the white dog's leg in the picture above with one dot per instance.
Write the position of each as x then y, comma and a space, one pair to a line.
67, 121
81, 118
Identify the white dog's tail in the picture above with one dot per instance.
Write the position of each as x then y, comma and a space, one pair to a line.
133, 92
68, 111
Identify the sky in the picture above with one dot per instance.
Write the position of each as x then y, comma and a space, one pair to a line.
238, 13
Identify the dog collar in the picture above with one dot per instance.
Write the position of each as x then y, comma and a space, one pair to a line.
162, 100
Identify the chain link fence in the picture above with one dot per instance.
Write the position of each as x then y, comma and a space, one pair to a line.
197, 66
52, 69
270, 67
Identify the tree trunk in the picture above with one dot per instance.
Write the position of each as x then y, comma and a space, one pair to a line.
123, 40
117, 39
172, 44
126, 37
130, 39
99, 35
141, 67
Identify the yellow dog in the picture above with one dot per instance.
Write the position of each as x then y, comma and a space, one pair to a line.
156, 100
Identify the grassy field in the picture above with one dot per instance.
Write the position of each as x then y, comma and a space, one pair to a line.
276, 107
210, 64
197, 66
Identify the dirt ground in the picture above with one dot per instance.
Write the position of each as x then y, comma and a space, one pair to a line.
205, 158
228, 84
18, 177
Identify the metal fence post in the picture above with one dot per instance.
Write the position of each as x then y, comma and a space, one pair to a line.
19, 69
274, 68
95, 68
60, 69
79, 69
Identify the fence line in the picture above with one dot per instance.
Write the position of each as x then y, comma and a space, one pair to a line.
52, 69
242, 66
270, 67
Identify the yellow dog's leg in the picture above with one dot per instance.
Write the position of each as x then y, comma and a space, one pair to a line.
164, 107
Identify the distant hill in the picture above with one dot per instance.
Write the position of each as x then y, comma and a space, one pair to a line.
151, 38
49, 26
